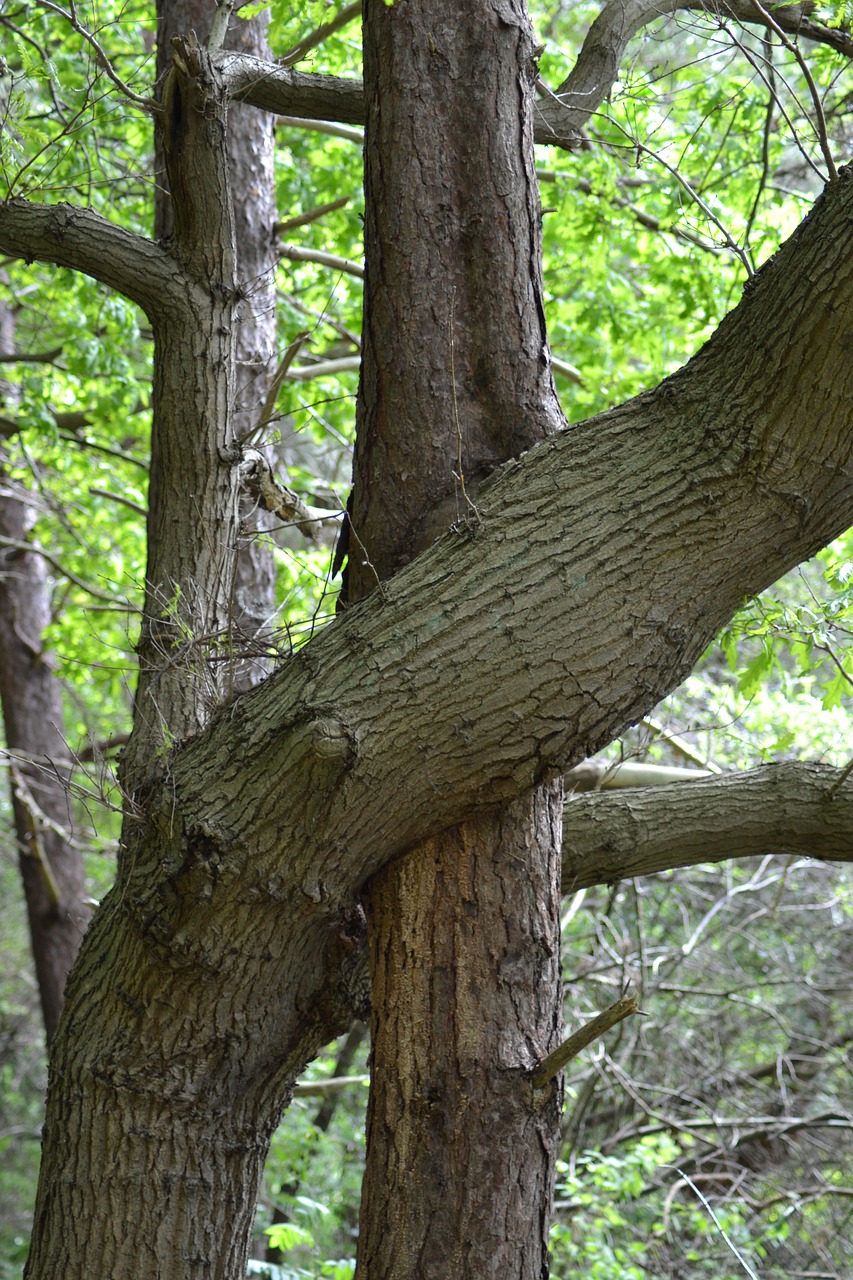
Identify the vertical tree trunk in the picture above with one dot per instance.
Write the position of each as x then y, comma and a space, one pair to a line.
456, 378
250, 149
31, 697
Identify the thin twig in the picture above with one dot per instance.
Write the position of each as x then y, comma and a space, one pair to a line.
18, 545
820, 118
731, 1244
275, 386
592, 1030
146, 104
728, 240
119, 497
765, 144
302, 219
322, 126
297, 254
341, 19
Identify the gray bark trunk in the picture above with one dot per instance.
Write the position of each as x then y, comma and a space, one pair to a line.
779, 808
249, 148
33, 721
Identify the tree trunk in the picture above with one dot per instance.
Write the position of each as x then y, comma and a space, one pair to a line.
455, 379
51, 867
195, 483
465, 970
31, 697
593, 573
249, 147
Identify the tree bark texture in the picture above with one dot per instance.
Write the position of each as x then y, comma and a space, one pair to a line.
499, 656
31, 698
788, 807
458, 376
465, 989
602, 563
51, 867
464, 932
249, 148
193, 520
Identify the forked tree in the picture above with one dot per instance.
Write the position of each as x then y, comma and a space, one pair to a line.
517, 592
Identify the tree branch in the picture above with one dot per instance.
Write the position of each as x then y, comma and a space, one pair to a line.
778, 808
84, 241
560, 116
567, 111
745, 458
309, 42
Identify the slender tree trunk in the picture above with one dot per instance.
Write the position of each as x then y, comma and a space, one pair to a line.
250, 150
31, 697
456, 378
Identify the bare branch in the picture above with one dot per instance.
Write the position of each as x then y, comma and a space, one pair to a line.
779, 808
295, 93
566, 111
219, 26
324, 369
83, 240
592, 1030
30, 357
341, 19
116, 603
820, 119
324, 126
312, 215
297, 254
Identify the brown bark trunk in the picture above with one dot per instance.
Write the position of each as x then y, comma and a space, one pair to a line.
31, 698
466, 977
455, 378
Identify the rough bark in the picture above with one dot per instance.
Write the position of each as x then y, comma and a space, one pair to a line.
31, 698
194, 487
461, 1146
455, 378
601, 564
51, 867
249, 148
456, 372
503, 653
780, 808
